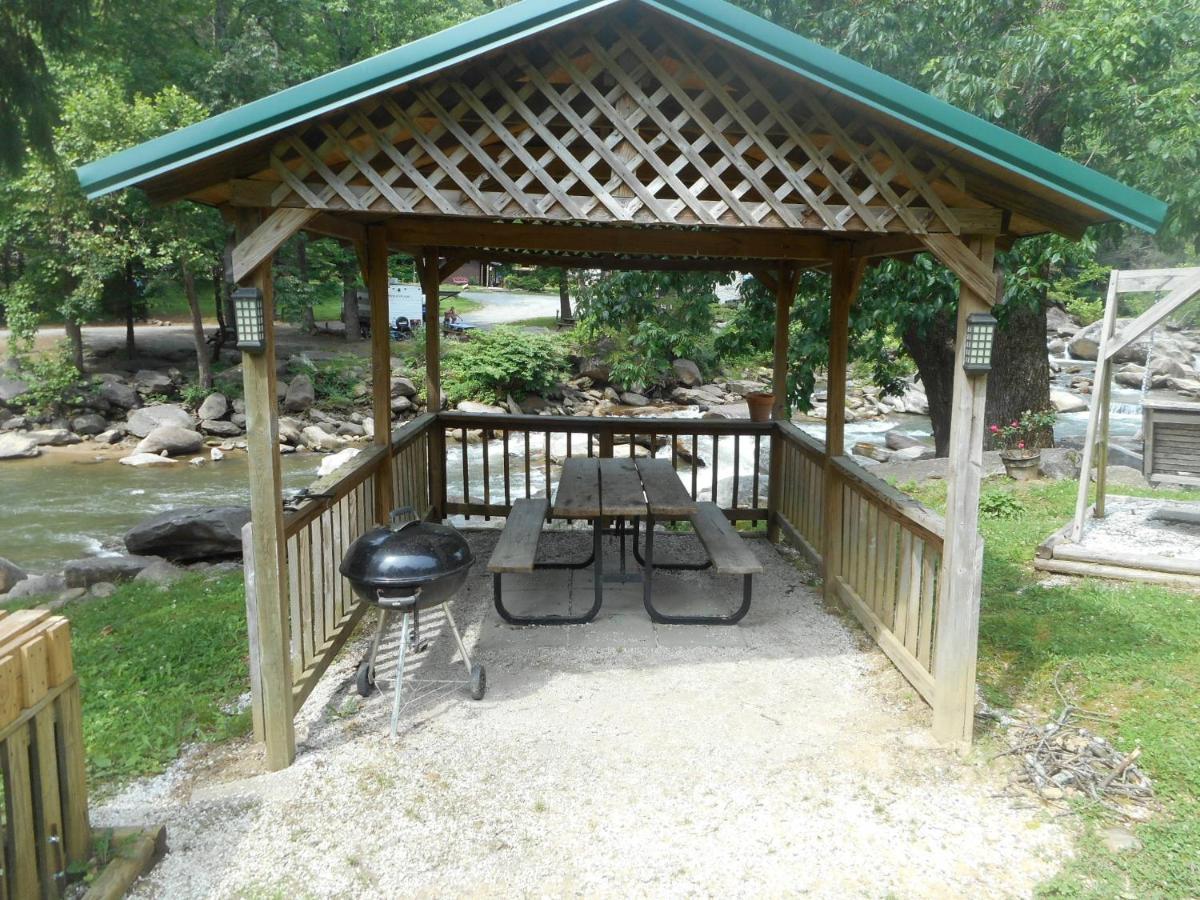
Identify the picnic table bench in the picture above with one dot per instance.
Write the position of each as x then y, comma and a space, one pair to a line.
614, 490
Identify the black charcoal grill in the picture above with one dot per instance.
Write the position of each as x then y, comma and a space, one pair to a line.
405, 567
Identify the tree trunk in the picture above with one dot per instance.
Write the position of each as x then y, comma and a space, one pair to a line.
203, 363
74, 333
350, 307
226, 269
1020, 376
564, 296
218, 277
130, 311
308, 324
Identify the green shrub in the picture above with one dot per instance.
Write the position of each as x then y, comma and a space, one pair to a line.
335, 381
1086, 309
503, 361
193, 394
536, 281
54, 383
996, 504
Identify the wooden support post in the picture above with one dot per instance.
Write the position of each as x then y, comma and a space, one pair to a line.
427, 271
271, 626
381, 364
1097, 427
785, 292
845, 277
956, 636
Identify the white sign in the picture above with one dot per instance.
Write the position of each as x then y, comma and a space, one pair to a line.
405, 300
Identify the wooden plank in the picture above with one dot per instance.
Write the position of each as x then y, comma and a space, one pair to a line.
17, 623
1140, 280
1176, 566
35, 672
256, 247
578, 493
73, 785
48, 810
909, 667
23, 878
1181, 294
381, 356
729, 553
1122, 573
427, 269
10, 689
516, 550
137, 850
621, 491
665, 493
976, 276
1095, 408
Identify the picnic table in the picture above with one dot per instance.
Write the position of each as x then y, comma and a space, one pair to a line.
608, 493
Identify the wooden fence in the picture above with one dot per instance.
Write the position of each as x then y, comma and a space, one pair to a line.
530, 448
801, 491
41, 755
322, 608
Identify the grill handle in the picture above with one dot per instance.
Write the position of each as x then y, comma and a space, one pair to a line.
397, 520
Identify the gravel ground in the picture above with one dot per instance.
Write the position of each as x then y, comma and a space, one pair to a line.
784, 755
1127, 526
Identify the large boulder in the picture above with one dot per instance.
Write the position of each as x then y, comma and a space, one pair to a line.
317, 438
1065, 401
899, 440
331, 464
10, 574
172, 439
95, 569
220, 428
403, 387
190, 533
161, 572
118, 394
215, 406
687, 373
300, 394
12, 389
150, 381
17, 446
289, 430
630, 398
53, 437
472, 406
37, 586
143, 421
595, 368
89, 424
1060, 464
1059, 322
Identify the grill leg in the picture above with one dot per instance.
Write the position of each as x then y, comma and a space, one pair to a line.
383, 614
462, 649
406, 624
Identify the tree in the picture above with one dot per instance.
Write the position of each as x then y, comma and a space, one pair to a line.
564, 297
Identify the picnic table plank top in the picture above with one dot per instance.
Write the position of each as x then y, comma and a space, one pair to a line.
621, 491
578, 494
665, 493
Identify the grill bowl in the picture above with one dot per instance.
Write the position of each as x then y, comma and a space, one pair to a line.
408, 559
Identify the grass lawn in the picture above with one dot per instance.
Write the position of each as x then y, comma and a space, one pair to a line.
1130, 650
156, 666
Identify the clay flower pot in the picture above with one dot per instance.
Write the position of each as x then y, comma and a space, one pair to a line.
760, 403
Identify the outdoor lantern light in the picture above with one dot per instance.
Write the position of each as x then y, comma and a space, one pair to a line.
977, 357
248, 318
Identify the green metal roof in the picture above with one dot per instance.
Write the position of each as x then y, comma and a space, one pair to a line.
717, 17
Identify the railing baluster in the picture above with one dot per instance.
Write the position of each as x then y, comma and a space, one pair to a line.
507, 474
695, 463
757, 458
527, 494
547, 464
716, 439
466, 475
487, 479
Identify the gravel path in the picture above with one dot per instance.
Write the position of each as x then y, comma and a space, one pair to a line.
1127, 526
615, 759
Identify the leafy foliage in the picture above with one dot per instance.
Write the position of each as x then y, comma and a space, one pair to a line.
648, 319
334, 380
503, 361
54, 384
1031, 430
999, 504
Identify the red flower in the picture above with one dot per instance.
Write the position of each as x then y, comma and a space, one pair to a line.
1020, 445
1014, 424
995, 428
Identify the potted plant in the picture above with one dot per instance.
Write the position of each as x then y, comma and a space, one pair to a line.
1021, 442
760, 403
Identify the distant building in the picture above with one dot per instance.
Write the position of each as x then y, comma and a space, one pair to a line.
478, 272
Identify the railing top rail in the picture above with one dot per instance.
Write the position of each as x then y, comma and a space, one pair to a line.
929, 524
333, 487
602, 424
411, 430
807, 443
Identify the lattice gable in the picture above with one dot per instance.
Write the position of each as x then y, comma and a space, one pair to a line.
617, 121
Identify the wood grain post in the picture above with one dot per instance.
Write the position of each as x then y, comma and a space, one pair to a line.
846, 275
785, 293
266, 515
1097, 427
381, 365
957, 630
428, 272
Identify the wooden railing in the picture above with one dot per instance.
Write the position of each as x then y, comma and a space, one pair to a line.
498, 459
322, 608
801, 491
45, 827
886, 558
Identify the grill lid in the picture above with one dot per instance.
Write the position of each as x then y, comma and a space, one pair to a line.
406, 554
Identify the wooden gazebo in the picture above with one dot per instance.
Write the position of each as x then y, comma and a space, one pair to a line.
638, 134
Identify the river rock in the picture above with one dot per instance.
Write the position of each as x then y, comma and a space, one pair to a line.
1065, 402
899, 440
472, 406
118, 394
403, 387
94, 569
239, 419
143, 421
17, 446
1060, 464
190, 533
104, 589
12, 389
300, 394
37, 586
10, 574
215, 406
331, 464
631, 398
687, 373
176, 441
15, 423
742, 387
111, 436
220, 428
146, 459
317, 438
150, 381
349, 429
161, 572
595, 368
1118, 839
872, 451
912, 454
89, 424
53, 437
289, 431
1059, 322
